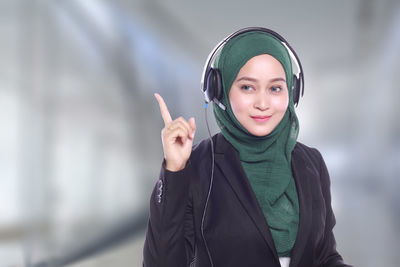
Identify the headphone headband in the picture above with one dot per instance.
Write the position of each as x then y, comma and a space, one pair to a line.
211, 83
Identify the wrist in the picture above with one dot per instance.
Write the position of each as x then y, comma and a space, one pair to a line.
174, 167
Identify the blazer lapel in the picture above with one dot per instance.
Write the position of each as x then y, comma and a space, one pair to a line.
227, 159
303, 174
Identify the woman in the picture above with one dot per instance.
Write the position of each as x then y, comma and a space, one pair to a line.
252, 195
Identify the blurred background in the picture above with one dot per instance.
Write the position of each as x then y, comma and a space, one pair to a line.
80, 146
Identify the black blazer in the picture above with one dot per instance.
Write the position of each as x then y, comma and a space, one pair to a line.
235, 229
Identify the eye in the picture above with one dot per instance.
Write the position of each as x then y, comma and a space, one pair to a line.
247, 88
276, 89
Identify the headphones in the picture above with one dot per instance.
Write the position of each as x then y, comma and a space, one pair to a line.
211, 80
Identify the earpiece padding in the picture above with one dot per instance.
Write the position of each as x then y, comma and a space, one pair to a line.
213, 86
296, 89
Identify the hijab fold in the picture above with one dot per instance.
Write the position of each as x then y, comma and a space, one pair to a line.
266, 159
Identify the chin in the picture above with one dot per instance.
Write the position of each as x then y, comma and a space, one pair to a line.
260, 133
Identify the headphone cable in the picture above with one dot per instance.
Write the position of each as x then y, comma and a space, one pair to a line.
209, 190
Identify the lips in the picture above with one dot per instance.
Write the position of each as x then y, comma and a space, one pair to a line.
261, 118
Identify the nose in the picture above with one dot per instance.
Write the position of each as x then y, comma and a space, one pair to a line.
262, 101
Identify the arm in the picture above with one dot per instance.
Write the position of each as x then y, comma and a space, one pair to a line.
170, 233
170, 237
326, 252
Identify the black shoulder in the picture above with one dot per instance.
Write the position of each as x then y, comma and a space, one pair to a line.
308, 152
202, 152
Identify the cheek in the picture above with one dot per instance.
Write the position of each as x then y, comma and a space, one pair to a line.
238, 107
280, 104
239, 102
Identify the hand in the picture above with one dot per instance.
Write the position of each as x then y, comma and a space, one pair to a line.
177, 138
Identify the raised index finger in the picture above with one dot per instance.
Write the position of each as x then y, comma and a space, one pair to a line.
164, 110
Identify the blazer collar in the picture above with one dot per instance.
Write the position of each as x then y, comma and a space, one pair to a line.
303, 173
227, 159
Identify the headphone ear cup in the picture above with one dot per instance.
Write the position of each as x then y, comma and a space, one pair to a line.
296, 89
218, 85
213, 85
208, 87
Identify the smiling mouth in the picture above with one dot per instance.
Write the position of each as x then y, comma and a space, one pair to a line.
261, 118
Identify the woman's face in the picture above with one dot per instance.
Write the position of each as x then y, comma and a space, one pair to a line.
259, 95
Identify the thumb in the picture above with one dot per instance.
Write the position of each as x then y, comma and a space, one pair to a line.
192, 124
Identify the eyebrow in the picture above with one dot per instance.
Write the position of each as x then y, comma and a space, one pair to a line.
255, 80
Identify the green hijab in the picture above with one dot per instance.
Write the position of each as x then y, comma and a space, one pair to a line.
266, 159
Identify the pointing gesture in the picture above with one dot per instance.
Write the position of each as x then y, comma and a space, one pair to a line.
177, 138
